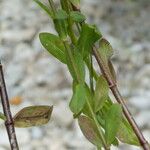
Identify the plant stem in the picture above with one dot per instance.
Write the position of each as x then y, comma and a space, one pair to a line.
111, 83
51, 3
98, 127
118, 97
120, 100
70, 24
6, 108
71, 58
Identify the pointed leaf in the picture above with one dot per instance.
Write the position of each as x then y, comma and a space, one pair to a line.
106, 50
112, 122
126, 134
61, 15
77, 16
32, 116
78, 99
2, 116
61, 27
76, 3
101, 93
86, 110
89, 130
53, 45
112, 70
44, 7
76, 66
89, 35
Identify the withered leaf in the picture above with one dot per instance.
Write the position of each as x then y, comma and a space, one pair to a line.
89, 130
32, 116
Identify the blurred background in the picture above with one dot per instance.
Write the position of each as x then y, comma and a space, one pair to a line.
33, 77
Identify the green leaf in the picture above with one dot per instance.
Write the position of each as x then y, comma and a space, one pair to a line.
77, 16
2, 116
32, 116
115, 142
76, 3
126, 134
89, 130
86, 111
101, 93
53, 45
78, 99
112, 70
61, 27
61, 15
106, 50
45, 8
89, 35
112, 122
76, 66
60, 22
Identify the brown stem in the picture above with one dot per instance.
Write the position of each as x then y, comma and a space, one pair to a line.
118, 96
6, 108
120, 100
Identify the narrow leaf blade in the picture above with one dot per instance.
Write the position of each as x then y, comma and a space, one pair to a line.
89, 35
61, 15
32, 116
77, 16
44, 7
53, 45
112, 122
76, 3
89, 130
101, 93
126, 134
76, 66
112, 71
78, 99
106, 50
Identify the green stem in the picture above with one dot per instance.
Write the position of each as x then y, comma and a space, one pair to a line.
71, 58
101, 134
95, 75
91, 74
65, 4
52, 6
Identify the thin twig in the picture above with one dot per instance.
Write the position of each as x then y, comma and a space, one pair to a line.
6, 108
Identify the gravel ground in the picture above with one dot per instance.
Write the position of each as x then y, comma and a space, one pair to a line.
37, 78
